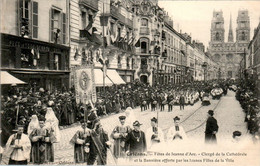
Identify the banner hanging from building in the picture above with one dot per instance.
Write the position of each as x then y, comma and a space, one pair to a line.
84, 82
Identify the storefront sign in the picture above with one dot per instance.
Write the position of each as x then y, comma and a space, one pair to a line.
84, 82
28, 46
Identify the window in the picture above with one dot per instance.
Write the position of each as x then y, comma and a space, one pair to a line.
83, 20
57, 62
144, 22
24, 16
143, 47
35, 20
217, 36
218, 25
243, 36
58, 26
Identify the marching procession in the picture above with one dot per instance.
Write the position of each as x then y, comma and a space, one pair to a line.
38, 126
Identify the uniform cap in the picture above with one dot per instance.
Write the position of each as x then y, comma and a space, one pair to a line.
136, 123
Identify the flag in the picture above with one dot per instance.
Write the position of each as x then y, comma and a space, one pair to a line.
114, 35
137, 44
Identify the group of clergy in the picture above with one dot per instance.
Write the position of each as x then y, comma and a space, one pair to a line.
92, 145
36, 146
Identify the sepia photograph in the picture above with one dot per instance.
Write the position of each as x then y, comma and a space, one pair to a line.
130, 82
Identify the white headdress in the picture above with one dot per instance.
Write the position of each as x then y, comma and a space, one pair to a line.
34, 123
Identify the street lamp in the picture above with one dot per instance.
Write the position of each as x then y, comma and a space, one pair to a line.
204, 65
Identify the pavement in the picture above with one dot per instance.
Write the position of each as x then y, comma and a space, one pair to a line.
228, 113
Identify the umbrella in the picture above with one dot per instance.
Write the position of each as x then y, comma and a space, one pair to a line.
7, 78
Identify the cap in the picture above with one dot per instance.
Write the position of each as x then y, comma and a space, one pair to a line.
211, 112
176, 118
237, 133
154, 120
122, 117
136, 123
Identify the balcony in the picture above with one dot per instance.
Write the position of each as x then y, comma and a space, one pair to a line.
144, 31
114, 11
123, 46
92, 4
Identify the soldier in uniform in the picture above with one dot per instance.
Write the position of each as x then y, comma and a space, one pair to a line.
211, 128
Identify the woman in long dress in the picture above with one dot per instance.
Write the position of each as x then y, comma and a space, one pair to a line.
33, 124
130, 117
52, 122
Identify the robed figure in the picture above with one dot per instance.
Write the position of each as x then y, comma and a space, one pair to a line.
18, 148
154, 136
176, 133
98, 145
80, 141
42, 143
211, 128
119, 135
136, 140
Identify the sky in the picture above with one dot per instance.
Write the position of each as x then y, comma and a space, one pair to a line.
194, 17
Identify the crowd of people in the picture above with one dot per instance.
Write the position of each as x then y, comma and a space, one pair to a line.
38, 114
247, 96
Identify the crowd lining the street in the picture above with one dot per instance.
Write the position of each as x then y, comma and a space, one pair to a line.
42, 112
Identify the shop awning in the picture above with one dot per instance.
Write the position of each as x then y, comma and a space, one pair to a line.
99, 78
7, 78
115, 77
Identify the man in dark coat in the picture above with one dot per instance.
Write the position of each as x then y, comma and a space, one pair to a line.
182, 102
211, 128
136, 140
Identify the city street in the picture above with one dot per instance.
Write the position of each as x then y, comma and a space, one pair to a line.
229, 119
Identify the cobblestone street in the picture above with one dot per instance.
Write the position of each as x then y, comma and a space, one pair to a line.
229, 119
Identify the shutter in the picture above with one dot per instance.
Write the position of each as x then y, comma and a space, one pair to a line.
19, 17
51, 60
51, 25
17, 57
35, 19
63, 60
64, 28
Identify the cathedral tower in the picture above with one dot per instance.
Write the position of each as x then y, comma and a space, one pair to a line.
217, 27
230, 33
243, 27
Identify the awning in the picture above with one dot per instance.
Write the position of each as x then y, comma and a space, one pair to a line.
115, 77
7, 78
99, 78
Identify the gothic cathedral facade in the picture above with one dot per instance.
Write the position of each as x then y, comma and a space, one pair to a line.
228, 54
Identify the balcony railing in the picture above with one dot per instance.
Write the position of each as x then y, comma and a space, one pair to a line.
144, 31
93, 4
114, 11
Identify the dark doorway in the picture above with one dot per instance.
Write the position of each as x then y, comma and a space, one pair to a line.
143, 79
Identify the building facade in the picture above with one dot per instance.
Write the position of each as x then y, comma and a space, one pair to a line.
229, 54
254, 59
102, 34
34, 42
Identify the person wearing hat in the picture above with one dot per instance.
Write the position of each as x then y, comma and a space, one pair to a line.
176, 132
211, 128
136, 140
119, 134
18, 148
42, 139
154, 135
80, 141
98, 144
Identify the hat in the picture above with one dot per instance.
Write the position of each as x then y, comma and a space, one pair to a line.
136, 123
176, 118
211, 112
154, 120
122, 117
237, 133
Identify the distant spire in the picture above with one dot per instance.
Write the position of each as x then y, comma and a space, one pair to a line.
230, 33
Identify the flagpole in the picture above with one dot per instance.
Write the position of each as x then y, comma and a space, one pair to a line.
103, 53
